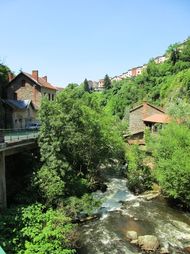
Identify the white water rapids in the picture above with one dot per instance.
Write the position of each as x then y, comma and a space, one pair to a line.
121, 211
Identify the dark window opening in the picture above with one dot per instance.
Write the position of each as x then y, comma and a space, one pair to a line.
15, 96
23, 83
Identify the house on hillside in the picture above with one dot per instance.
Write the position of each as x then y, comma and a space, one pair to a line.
101, 85
31, 87
19, 113
117, 78
160, 59
144, 116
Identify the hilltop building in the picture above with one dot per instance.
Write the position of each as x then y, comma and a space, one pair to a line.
160, 59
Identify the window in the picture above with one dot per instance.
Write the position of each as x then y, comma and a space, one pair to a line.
23, 82
49, 95
15, 96
52, 97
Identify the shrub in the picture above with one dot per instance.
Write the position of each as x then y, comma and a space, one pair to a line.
171, 150
36, 230
138, 174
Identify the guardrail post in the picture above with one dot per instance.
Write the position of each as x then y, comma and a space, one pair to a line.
3, 195
2, 140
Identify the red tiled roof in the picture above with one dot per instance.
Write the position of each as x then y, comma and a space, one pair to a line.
42, 82
158, 118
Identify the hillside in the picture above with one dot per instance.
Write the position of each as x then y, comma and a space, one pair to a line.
160, 84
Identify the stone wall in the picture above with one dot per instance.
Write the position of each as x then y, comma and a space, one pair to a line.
137, 115
25, 89
135, 120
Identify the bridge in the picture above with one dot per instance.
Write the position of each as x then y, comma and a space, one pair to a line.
12, 142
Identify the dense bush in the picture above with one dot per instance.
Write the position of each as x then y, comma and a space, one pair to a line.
77, 136
36, 230
171, 150
138, 174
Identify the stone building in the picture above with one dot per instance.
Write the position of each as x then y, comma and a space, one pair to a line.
31, 87
142, 116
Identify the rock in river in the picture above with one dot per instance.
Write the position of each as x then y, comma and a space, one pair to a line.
148, 242
132, 235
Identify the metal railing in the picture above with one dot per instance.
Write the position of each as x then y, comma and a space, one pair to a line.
13, 135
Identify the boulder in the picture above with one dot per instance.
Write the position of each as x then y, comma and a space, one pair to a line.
152, 196
148, 242
134, 241
132, 235
187, 249
164, 250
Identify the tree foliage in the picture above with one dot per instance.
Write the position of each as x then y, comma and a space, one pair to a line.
76, 137
107, 82
171, 151
86, 86
34, 229
138, 174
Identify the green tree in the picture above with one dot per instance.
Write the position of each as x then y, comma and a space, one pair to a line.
138, 174
3, 83
86, 86
171, 151
107, 82
174, 56
4, 70
185, 51
75, 140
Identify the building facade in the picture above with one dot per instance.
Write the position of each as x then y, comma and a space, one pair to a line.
160, 59
30, 87
19, 113
139, 113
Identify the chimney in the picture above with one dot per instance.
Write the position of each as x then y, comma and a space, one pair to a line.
45, 78
35, 75
10, 76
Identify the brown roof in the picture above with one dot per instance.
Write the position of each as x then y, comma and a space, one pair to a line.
41, 82
153, 106
58, 88
158, 118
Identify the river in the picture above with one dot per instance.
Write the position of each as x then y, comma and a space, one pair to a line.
121, 211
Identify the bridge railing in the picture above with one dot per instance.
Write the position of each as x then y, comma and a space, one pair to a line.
11, 135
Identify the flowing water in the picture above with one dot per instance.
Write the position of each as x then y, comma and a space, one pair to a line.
121, 211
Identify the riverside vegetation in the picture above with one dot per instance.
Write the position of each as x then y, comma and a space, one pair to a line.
80, 136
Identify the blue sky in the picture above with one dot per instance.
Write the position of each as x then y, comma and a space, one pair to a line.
70, 40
